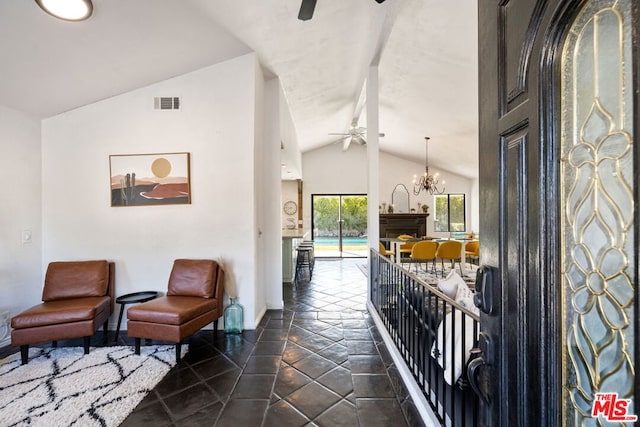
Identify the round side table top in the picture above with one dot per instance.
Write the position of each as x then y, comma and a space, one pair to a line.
137, 297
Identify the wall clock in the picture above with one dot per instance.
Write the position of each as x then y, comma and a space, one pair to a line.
290, 207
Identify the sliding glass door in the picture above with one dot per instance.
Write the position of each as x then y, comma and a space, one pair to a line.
339, 225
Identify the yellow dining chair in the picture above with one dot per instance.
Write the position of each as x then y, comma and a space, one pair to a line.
405, 248
384, 252
450, 250
472, 251
424, 251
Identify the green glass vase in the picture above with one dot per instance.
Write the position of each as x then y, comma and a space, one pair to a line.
233, 317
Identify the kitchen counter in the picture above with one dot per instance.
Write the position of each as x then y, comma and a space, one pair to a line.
296, 233
290, 241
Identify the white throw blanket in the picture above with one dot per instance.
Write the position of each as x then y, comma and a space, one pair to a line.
448, 339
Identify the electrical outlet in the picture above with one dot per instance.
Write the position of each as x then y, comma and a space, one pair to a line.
27, 237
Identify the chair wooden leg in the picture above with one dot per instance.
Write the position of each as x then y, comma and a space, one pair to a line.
105, 328
215, 328
87, 341
178, 351
24, 353
137, 345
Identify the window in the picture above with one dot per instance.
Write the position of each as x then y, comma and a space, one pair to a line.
449, 214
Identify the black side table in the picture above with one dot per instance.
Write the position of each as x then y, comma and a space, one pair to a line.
133, 298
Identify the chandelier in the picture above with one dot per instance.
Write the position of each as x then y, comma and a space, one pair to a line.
427, 182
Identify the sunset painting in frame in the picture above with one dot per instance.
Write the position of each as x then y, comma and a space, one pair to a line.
150, 179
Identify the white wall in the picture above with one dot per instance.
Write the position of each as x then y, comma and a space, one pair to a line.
217, 125
394, 170
20, 274
289, 192
475, 207
291, 155
271, 241
329, 170
260, 198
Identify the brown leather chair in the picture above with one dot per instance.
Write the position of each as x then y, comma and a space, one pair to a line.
193, 300
77, 299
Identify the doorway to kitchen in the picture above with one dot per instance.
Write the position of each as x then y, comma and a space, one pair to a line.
339, 224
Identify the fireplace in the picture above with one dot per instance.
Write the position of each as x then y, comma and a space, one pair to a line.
392, 225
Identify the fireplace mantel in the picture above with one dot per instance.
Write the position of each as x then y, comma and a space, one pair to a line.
392, 225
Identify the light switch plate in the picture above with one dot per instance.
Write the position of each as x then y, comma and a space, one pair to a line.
27, 237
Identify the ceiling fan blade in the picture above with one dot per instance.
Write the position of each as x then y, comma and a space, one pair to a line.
340, 139
306, 10
359, 140
346, 143
345, 134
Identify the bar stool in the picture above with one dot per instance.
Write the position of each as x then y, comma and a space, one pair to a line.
303, 260
309, 244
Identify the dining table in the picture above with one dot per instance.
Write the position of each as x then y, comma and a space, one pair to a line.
396, 242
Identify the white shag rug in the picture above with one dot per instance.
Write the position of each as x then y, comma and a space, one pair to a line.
65, 387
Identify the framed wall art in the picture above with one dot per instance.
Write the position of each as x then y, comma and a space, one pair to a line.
150, 179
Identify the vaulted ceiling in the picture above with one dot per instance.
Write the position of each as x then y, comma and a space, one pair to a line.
426, 51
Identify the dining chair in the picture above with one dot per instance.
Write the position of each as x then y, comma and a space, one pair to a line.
450, 250
405, 248
472, 251
383, 250
424, 251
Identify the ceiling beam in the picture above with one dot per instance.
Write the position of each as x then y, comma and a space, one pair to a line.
384, 25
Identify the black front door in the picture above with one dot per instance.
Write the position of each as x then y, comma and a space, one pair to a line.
558, 211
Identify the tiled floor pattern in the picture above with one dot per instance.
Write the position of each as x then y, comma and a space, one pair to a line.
320, 361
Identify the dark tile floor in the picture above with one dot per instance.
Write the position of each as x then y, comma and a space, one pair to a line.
318, 362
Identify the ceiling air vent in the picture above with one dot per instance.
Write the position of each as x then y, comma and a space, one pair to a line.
166, 103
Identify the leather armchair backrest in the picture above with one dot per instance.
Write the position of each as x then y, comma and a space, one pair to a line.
219, 292
76, 279
112, 283
194, 277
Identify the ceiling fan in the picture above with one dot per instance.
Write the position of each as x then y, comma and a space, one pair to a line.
355, 135
308, 6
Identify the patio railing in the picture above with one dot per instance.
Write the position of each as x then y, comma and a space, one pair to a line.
432, 333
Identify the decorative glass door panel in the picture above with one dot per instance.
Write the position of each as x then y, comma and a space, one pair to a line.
597, 235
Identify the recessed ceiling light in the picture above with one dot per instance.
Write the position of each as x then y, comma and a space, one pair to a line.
69, 10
